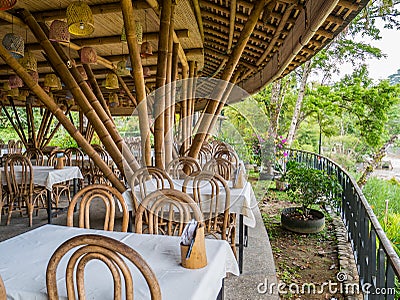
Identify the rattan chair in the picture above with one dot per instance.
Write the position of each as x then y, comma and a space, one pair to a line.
108, 251
75, 157
95, 174
168, 211
36, 154
59, 188
229, 155
219, 222
176, 168
20, 190
3, 294
220, 166
101, 192
159, 178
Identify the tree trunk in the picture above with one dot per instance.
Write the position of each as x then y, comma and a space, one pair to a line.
377, 158
299, 101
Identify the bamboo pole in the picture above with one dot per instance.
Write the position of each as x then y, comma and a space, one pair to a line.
16, 115
43, 124
217, 94
190, 100
174, 73
159, 103
58, 113
184, 108
12, 121
102, 124
127, 90
96, 89
168, 138
232, 21
46, 130
137, 73
54, 131
32, 124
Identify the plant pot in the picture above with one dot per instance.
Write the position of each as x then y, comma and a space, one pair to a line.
291, 221
281, 185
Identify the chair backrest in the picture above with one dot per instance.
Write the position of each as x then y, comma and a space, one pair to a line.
212, 194
51, 161
176, 168
159, 178
110, 252
3, 294
205, 155
101, 192
37, 154
96, 174
74, 157
228, 155
168, 211
20, 185
220, 166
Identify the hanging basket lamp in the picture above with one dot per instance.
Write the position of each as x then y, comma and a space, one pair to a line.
139, 32
146, 72
112, 81
23, 94
7, 4
34, 75
13, 92
113, 100
14, 44
59, 85
15, 81
82, 71
88, 55
59, 32
80, 19
29, 62
50, 81
6, 86
146, 50
122, 69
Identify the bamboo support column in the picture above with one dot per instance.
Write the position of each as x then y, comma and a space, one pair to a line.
159, 101
190, 101
168, 136
54, 131
129, 23
174, 73
185, 144
127, 90
217, 94
58, 113
11, 119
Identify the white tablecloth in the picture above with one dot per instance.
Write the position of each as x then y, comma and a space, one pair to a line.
47, 176
24, 259
243, 199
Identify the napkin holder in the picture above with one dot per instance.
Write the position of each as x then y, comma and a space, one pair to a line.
60, 162
197, 258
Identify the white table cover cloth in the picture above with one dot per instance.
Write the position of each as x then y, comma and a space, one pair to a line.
243, 199
24, 258
47, 176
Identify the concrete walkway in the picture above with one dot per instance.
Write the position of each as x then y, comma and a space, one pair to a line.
258, 263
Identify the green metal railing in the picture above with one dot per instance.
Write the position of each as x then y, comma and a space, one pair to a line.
377, 262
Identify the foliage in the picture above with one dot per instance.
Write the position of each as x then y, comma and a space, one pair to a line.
308, 186
280, 156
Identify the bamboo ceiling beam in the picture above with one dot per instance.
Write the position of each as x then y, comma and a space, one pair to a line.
232, 18
278, 32
218, 92
58, 113
197, 13
137, 73
317, 12
109, 40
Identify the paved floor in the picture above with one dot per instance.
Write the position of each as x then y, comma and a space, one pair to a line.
258, 269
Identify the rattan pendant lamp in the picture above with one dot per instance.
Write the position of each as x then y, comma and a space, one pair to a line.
146, 49
80, 19
113, 100
111, 81
59, 32
7, 4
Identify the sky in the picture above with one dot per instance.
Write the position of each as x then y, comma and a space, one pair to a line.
381, 69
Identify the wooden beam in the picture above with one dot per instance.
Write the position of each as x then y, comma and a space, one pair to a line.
299, 36
225, 77
232, 18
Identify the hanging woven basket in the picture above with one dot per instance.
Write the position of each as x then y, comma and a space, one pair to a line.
15, 81
59, 32
146, 72
113, 100
88, 55
80, 19
111, 81
7, 4
82, 71
121, 68
29, 62
146, 50
50, 81
14, 44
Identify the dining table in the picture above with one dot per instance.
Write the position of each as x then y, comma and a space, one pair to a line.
242, 202
48, 176
24, 259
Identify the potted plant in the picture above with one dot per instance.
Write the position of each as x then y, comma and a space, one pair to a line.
308, 187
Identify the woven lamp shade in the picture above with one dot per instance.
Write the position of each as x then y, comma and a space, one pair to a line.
82, 71
14, 44
88, 55
146, 72
13, 92
7, 4
29, 62
111, 81
146, 50
15, 81
34, 75
59, 31
23, 94
51, 81
139, 32
113, 100
59, 85
6, 86
122, 69
80, 19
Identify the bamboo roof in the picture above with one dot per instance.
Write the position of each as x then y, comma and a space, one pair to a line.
288, 33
